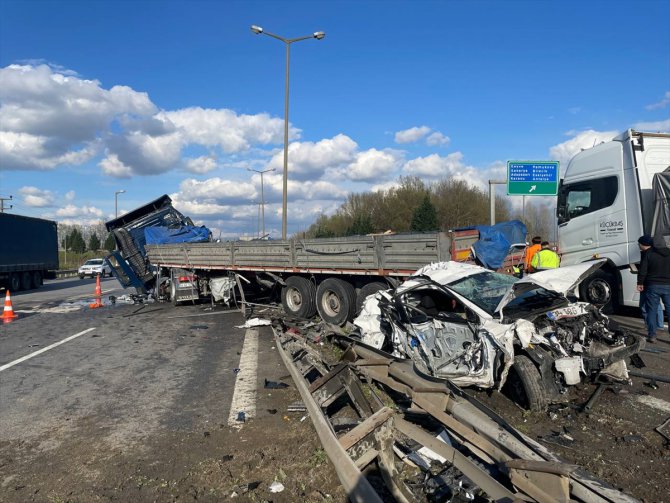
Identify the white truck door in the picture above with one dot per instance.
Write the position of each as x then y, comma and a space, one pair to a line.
593, 204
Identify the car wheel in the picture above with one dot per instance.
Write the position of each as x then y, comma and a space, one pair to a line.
600, 289
298, 297
335, 301
81, 276
366, 291
524, 385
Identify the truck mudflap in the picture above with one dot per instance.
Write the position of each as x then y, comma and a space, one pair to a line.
124, 273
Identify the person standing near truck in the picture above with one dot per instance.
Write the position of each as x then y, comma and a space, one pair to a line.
546, 258
653, 280
531, 251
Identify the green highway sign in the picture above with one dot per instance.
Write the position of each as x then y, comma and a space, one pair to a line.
532, 178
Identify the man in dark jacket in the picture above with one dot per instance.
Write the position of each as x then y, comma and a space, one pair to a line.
654, 280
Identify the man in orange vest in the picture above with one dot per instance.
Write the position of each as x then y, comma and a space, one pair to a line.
532, 250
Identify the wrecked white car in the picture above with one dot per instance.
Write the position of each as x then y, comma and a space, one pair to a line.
475, 327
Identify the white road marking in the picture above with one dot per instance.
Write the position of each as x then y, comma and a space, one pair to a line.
655, 403
244, 395
28, 357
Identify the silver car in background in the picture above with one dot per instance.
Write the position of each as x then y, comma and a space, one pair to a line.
95, 267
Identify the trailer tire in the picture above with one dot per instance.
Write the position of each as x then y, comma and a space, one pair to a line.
366, 291
524, 384
600, 289
37, 279
298, 297
14, 282
335, 301
26, 281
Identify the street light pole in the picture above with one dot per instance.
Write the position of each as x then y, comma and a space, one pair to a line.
262, 195
319, 35
116, 202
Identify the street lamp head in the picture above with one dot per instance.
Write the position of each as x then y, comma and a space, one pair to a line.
122, 191
256, 29
319, 35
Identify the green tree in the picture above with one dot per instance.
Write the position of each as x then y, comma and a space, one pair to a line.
361, 225
75, 241
94, 242
110, 244
425, 217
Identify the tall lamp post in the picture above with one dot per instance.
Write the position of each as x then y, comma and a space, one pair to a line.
116, 202
287, 41
262, 203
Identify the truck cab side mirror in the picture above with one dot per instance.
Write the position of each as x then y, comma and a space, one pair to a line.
561, 214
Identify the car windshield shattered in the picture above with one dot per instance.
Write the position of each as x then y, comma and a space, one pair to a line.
475, 327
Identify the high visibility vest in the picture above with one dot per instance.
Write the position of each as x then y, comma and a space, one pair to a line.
545, 259
530, 253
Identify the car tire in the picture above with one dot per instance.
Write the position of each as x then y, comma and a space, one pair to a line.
335, 301
298, 297
600, 289
173, 294
524, 385
366, 291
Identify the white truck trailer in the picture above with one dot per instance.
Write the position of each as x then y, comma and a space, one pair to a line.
610, 195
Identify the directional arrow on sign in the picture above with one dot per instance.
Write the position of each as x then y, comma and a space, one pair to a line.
532, 188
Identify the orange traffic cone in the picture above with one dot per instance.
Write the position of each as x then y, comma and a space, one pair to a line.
8, 314
98, 294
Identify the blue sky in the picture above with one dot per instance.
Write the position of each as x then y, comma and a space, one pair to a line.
157, 97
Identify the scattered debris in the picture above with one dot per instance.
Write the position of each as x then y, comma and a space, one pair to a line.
241, 417
275, 385
276, 487
255, 322
661, 430
296, 407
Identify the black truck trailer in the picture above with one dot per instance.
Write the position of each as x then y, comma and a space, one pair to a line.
28, 251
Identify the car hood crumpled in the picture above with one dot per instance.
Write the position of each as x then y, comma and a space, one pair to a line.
562, 280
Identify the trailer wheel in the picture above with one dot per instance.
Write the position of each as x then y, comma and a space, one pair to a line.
524, 385
14, 282
298, 297
37, 279
366, 291
26, 281
335, 301
601, 290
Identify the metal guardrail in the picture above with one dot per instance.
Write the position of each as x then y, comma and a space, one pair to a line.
66, 273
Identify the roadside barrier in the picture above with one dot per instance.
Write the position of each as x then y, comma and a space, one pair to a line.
98, 294
8, 313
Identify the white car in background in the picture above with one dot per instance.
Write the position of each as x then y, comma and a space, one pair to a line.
95, 267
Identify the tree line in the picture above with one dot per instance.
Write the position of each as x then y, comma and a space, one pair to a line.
74, 241
416, 206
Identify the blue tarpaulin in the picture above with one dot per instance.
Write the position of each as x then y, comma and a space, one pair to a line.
495, 241
184, 234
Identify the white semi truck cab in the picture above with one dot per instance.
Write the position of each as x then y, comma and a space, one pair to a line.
610, 195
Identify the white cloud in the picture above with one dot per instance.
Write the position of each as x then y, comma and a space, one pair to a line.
437, 139
72, 211
565, 151
227, 130
111, 166
51, 117
36, 198
307, 160
70, 195
373, 165
201, 165
660, 104
412, 134
657, 126
217, 191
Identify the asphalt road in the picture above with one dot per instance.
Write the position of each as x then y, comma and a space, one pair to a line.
126, 372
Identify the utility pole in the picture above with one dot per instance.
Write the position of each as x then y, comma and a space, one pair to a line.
2, 203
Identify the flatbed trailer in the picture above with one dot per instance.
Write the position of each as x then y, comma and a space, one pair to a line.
328, 276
